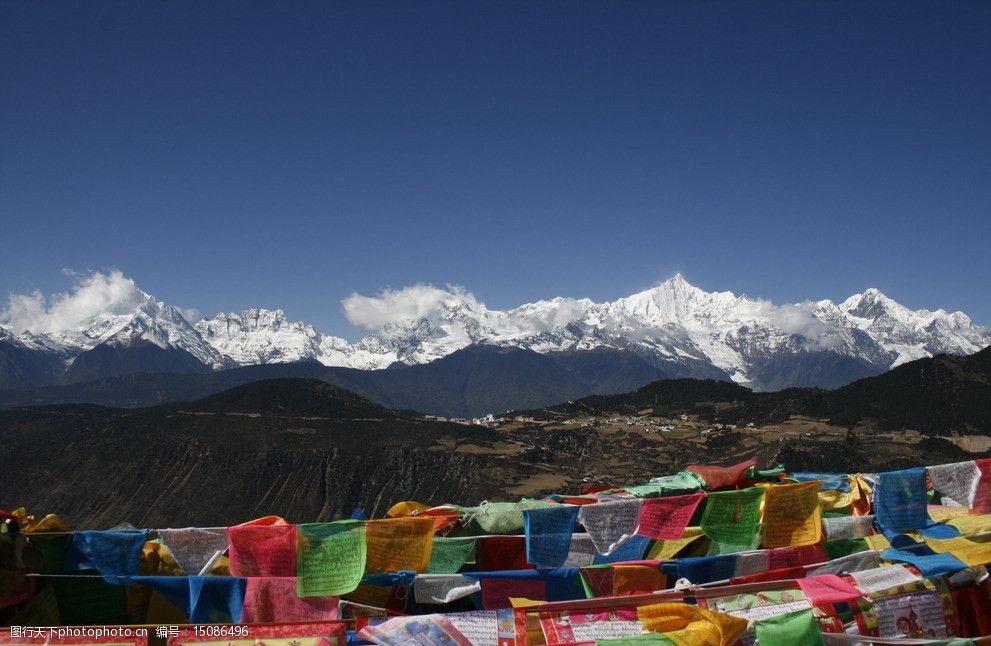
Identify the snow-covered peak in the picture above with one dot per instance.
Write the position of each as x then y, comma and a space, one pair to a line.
258, 335
673, 323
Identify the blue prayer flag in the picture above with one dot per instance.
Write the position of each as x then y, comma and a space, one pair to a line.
548, 534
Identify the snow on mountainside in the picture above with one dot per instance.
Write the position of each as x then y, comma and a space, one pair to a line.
135, 316
673, 323
675, 326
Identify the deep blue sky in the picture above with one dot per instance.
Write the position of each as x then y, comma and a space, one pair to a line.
233, 154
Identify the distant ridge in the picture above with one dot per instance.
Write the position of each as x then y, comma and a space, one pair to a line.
290, 397
942, 394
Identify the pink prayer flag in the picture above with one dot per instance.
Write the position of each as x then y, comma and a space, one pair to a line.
262, 550
667, 518
273, 599
827, 588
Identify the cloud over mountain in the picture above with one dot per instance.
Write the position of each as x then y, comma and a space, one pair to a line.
92, 295
398, 305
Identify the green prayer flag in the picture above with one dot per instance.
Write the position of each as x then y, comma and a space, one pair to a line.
683, 482
330, 559
730, 520
836, 549
505, 517
798, 627
447, 555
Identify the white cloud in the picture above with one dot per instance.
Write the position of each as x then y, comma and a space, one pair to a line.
94, 294
800, 319
406, 304
552, 315
191, 314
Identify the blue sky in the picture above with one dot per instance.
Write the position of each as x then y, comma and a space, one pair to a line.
235, 154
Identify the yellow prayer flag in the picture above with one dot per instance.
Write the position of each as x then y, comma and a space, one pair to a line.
406, 508
395, 544
970, 552
688, 625
523, 602
877, 542
835, 499
792, 515
940, 513
666, 550
970, 525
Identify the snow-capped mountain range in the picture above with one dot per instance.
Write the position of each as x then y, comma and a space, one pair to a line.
673, 325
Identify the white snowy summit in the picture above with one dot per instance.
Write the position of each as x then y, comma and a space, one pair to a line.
673, 323
103, 310
675, 326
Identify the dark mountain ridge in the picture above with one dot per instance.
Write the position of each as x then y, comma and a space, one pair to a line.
942, 394
473, 381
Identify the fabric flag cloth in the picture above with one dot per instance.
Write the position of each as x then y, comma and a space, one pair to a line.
826, 589
827, 481
448, 555
982, 497
970, 552
112, 553
504, 517
560, 584
730, 520
581, 551
395, 544
929, 564
900, 505
748, 563
599, 580
666, 550
683, 482
204, 599
792, 516
667, 518
779, 574
703, 569
637, 579
632, 550
193, 547
688, 625
957, 481
444, 588
836, 549
273, 599
847, 527
331, 558
779, 557
883, 578
501, 553
216, 599
548, 534
16, 587
175, 589
610, 523
799, 627
721, 477
262, 550
856, 562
